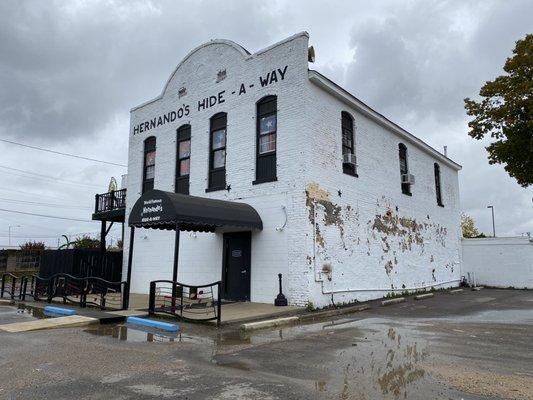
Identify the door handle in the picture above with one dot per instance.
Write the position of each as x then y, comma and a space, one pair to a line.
243, 271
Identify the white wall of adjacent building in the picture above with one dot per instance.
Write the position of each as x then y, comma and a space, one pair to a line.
499, 262
373, 238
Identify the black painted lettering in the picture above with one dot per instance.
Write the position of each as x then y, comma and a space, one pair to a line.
159, 121
141, 128
166, 118
180, 113
221, 97
212, 101
146, 126
201, 105
282, 73
172, 116
242, 90
187, 110
136, 129
264, 81
273, 77
153, 123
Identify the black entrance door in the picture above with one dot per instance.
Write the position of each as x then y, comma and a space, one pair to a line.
236, 266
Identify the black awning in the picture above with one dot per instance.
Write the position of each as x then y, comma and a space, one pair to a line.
164, 210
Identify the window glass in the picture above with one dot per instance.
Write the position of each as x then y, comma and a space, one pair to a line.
219, 139
267, 143
267, 124
150, 158
219, 159
150, 169
185, 166
185, 149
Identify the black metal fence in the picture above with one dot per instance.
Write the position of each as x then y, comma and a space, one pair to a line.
92, 291
82, 263
190, 303
88, 291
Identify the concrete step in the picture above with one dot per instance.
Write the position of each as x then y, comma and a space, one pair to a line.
48, 323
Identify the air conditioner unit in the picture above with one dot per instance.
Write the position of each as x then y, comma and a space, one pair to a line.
408, 179
349, 159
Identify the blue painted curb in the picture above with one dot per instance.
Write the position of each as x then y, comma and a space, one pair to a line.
59, 310
154, 324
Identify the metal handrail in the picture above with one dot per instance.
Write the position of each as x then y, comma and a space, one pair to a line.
176, 298
12, 288
110, 201
77, 290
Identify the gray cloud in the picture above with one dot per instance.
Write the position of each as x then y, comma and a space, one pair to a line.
70, 71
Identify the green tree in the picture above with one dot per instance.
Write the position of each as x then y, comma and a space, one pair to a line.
505, 114
86, 242
468, 227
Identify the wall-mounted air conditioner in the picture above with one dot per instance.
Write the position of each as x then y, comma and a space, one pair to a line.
408, 179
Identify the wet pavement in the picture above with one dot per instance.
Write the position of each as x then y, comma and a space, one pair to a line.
472, 345
10, 313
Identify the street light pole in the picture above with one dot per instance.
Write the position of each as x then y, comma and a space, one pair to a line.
9, 232
493, 226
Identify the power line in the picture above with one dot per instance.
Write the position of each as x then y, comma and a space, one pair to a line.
46, 216
57, 178
61, 153
70, 206
47, 177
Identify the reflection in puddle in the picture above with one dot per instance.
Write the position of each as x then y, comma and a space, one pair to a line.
129, 334
381, 362
34, 312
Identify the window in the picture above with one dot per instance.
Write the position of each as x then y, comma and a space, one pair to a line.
404, 169
149, 164
217, 152
267, 126
436, 169
183, 159
348, 145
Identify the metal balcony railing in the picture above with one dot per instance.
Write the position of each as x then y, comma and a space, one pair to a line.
110, 201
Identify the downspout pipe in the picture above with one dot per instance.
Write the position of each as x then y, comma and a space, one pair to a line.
387, 289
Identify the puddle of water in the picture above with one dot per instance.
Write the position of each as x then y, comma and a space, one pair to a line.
19, 313
35, 312
519, 316
137, 334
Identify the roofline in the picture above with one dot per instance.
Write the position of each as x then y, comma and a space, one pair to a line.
343, 95
245, 54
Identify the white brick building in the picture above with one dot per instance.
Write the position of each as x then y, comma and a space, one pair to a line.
335, 231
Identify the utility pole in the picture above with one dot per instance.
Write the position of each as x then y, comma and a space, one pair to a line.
493, 225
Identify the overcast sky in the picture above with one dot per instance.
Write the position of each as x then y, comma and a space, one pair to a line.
71, 70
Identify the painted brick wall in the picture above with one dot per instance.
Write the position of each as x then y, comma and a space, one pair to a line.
371, 236
201, 254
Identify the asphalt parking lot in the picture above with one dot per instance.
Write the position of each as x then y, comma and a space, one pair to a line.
471, 345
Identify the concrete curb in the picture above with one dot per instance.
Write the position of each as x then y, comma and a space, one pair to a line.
334, 312
477, 288
273, 323
424, 296
455, 291
269, 323
393, 301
